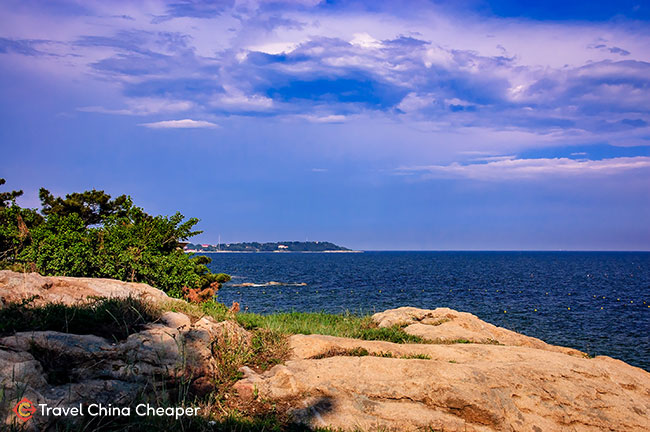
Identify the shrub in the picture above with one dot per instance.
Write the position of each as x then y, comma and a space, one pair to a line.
89, 234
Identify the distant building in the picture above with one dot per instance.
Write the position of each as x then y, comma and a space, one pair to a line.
283, 247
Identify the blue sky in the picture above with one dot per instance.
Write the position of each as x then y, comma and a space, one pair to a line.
373, 124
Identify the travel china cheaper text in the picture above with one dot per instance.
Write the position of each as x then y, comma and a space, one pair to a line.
140, 410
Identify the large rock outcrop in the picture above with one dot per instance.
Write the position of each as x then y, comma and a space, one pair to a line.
503, 381
15, 287
447, 325
511, 383
63, 369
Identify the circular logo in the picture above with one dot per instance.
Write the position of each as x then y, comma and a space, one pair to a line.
24, 409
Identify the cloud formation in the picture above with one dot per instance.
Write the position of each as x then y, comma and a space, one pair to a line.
180, 124
510, 168
324, 62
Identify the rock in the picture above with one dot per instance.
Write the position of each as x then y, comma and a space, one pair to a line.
15, 287
63, 369
523, 386
448, 325
176, 320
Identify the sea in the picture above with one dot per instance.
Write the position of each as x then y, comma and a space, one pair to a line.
597, 302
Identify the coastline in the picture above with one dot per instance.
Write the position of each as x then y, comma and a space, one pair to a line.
413, 368
277, 252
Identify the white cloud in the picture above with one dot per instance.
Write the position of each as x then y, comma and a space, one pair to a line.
180, 124
414, 102
422, 64
237, 100
326, 119
458, 102
493, 158
274, 47
510, 169
143, 106
365, 40
436, 55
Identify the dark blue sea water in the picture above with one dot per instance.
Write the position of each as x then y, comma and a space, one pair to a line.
597, 302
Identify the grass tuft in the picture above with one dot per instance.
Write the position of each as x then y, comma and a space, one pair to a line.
362, 352
114, 318
417, 357
196, 311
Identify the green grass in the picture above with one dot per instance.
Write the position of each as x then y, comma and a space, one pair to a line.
213, 309
114, 319
342, 325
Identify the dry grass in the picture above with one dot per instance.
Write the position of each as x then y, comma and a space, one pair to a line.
362, 352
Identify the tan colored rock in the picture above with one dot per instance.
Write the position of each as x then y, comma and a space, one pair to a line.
176, 320
15, 287
63, 369
448, 325
460, 387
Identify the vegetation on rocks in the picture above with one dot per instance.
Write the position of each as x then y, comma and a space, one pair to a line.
114, 319
343, 325
196, 355
90, 234
117, 318
362, 352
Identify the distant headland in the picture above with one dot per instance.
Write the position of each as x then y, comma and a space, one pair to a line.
288, 246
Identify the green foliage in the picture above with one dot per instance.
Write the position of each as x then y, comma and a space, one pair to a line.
91, 206
61, 245
15, 225
135, 246
222, 278
8, 198
89, 234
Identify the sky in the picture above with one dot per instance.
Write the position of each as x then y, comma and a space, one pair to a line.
377, 125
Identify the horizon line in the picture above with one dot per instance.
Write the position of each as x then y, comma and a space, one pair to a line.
503, 250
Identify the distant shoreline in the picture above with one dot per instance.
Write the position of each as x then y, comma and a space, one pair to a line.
276, 252
285, 246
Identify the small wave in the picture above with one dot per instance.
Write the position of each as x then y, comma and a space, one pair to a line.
271, 283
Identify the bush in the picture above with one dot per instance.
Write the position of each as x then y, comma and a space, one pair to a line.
88, 234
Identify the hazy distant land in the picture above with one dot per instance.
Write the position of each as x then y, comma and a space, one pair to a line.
289, 246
